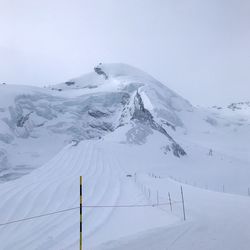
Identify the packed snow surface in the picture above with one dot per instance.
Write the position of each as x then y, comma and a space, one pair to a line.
135, 142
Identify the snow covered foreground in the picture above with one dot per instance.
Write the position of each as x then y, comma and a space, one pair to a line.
132, 138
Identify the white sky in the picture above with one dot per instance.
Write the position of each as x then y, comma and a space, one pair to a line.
199, 48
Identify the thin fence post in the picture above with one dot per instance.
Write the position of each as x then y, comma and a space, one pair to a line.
170, 203
149, 194
183, 204
80, 212
223, 188
157, 197
248, 191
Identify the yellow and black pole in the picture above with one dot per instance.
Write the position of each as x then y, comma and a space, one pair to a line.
80, 212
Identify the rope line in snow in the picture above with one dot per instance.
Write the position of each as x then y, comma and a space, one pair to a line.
39, 216
132, 206
85, 206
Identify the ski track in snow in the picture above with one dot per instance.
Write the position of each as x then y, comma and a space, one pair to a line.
53, 187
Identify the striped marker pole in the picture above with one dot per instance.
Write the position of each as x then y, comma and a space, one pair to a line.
80, 212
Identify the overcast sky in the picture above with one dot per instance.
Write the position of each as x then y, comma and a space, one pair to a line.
199, 48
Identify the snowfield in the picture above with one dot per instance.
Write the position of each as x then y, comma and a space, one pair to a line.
135, 142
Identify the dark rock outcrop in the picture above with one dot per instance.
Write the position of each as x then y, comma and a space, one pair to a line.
143, 115
99, 71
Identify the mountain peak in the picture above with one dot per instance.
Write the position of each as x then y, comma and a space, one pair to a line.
120, 77
117, 75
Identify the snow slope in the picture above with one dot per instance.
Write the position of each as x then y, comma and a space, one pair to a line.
215, 221
130, 137
55, 186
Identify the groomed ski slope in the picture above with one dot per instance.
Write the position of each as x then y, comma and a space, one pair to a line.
55, 186
214, 220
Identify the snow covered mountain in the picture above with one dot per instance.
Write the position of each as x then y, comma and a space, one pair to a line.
88, 107
110, 125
